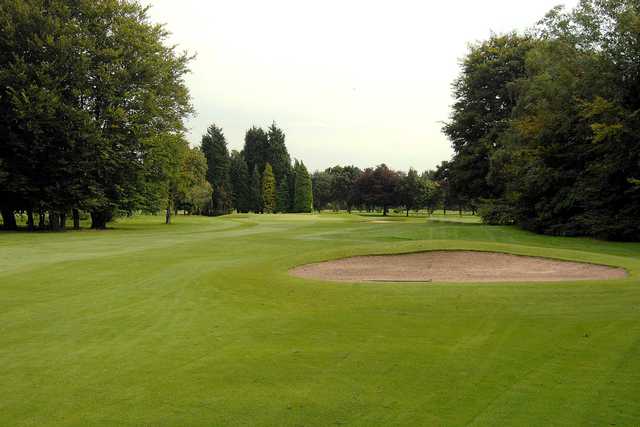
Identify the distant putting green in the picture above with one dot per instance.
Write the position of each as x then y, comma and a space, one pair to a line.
200, 323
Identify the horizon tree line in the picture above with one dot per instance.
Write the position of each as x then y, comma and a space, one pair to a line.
379, 188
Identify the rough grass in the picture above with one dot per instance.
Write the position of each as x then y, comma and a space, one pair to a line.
198, 323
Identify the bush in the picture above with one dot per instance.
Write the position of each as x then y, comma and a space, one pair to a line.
496, 212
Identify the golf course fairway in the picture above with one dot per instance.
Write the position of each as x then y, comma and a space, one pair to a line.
200, 323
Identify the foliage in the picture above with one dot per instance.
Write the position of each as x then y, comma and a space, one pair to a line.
268, 190
282, 196
322, 185
214, 147
255, 188
303, 191
240, 183
194, 191
84, 86
378, 187
565, 150
256, 148
277, 153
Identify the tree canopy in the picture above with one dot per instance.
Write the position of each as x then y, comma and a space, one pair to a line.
545, 126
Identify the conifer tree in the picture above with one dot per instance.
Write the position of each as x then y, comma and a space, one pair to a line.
268, 190
256, 148
240, 183
303, 201
256, 191
277, 155
214, 147
282, 196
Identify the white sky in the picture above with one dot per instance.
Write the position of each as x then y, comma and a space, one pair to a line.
350, 82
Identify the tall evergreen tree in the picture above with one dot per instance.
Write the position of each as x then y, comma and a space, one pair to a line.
256, 148
240, 183
282, 196
268, 190
303, 200
214, 147
256, 191
278, 155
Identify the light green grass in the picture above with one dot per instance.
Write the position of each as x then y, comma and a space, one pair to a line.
198, 323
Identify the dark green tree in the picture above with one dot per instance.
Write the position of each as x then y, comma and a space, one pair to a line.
256, 191
278, 155
412, 190
342, 185
256, 148
486, 94
322, 183
214, 147
282, 197
84, 85
240, 183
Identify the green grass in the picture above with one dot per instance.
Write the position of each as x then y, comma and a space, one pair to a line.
198, 323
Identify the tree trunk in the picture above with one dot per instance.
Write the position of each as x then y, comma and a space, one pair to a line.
30, 224
168, 216
9, 219
76, 219
41, 220
99, 219
63, 220
385, 210
407, 212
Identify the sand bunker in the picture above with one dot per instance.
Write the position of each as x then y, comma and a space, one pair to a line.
454, 266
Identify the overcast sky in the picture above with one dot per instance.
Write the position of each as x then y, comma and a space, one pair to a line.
350, 82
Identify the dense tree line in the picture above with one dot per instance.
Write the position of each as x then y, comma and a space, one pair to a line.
546, 125
260, 178
92, 102
379, 188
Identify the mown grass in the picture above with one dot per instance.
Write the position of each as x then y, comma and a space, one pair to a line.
198, 323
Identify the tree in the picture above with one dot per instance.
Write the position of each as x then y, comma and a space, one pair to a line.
558, 155
342, 185
282, 196
194, 191
256, 191
486, 94
412, 190
214, 147
240, 183
256, 148
377, 188
322, 183
278, 155
303, 199
432, 196
165, 156
268, 190
84, 85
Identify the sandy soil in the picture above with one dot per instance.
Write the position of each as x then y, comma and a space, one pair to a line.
454, 266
